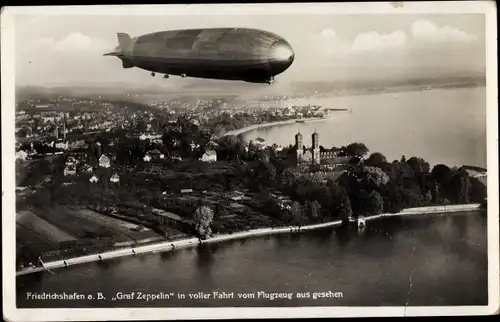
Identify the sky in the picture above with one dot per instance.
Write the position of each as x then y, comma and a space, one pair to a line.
68, 49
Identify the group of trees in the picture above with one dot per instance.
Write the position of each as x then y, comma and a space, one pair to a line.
368, 187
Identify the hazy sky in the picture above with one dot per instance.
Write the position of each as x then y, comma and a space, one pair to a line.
68, 49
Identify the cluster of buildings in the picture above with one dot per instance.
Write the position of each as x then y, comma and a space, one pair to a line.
77, 163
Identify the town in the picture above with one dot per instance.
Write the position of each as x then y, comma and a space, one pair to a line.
94, 175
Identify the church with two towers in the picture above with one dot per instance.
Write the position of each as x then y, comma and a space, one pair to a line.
311, 155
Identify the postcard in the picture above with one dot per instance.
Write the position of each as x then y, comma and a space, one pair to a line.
283, 160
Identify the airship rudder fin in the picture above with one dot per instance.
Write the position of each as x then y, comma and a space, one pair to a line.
123, 40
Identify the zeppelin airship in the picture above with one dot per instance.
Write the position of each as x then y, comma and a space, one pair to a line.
242, 54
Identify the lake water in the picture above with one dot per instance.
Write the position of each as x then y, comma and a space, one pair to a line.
444, 255
442, 126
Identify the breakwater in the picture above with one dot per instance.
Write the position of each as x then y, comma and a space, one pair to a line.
192, 242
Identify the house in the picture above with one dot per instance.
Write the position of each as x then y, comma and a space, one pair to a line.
21, 155
32, 151
150, 136
93, 179
147, 158
209, 156
104, 161
186, 190
114, 178
62, 145
235, 196
156, 154
70, 169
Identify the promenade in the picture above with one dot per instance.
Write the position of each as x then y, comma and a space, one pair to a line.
193, 242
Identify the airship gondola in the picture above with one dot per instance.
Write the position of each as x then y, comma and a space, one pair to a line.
243, 54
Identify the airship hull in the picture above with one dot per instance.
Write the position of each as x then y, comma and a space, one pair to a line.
220, 53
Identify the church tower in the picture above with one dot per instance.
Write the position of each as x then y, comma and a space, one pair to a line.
65, 120
299, 146
315, 148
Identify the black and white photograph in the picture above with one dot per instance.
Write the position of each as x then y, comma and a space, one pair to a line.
238, 161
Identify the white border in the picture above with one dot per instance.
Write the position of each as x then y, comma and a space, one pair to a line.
11, 313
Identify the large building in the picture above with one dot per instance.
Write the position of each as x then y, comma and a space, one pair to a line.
311, 155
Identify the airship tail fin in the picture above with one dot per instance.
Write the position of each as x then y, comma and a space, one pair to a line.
123, 40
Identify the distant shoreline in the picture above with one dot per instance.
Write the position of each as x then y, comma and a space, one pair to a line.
389, 90
193, 242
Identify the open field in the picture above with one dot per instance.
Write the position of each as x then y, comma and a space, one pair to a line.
78, 226
44, 229
120, 226
29, 238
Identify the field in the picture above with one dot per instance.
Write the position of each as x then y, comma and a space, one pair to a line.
42, 228
77, 225
29, 238
122, 227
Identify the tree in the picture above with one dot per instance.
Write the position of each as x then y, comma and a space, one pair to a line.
355, 149
441, 174
288, 177
21, 133
376, 203
375, 176
271, 208
477, 191
460, 186
141, 126
399, 171
296, 212
418, 165
313, 209
341, 203
376, 159
203, 217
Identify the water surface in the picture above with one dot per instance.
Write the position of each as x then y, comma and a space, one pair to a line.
445, 255
442, 126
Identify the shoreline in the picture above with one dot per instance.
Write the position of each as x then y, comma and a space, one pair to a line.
192, 242
270, 124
